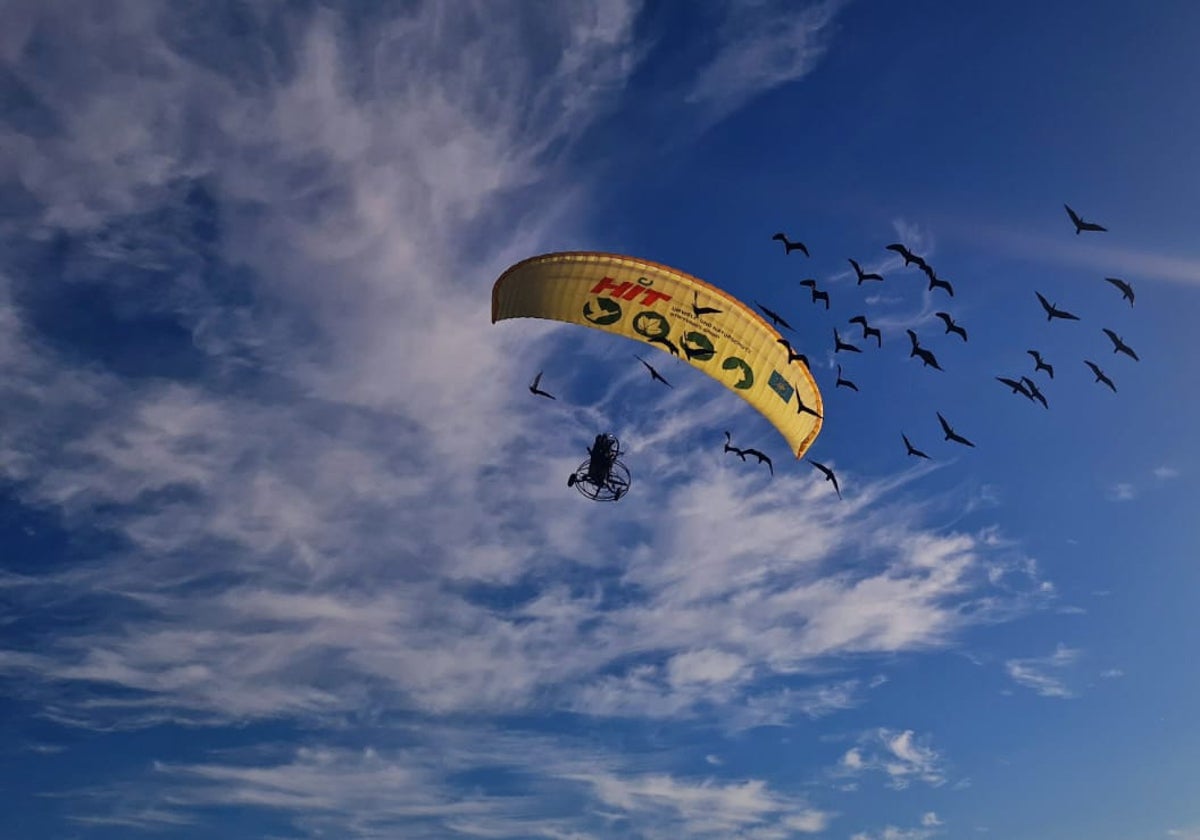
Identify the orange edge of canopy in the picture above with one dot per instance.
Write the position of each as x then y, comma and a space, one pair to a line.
709, 287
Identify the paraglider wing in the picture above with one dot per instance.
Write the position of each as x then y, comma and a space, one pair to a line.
656, 304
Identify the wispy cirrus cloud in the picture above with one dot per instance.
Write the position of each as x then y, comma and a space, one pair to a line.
892, 832
1043, 674
549, 787
901, 755
761, 45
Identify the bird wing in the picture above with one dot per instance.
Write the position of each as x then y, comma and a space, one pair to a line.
536, 381
945, 426
857, 267
1074, 216
1049, 307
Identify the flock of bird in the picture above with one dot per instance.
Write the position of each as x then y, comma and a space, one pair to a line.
1022, 385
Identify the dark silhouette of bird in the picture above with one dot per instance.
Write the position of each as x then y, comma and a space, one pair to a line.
793, 356
763, 458
1017, 387
912, 450
776, 319
789, 245
654, 374
936, 282
699, 352
817, 294
1053, 312
1040, 363
1120, 346
868, 330
1033, 389
909, 256
534, 389
829, 476
864, 275
926, 357
699, 310
665, 342
1126, 289
801, 408
1100, 377
839, 345
1080, 224
951, 327
844, 383
951, 434
729, 447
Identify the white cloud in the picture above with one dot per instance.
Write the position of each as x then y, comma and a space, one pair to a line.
930, 819
1192, 833
706, 808
1165, 473
892, 832
1122, 491
1042, 673
762, 45
902, 756
1112, 673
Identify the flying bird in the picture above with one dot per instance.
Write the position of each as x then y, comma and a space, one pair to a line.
936, 282
926, 357
789, 245
804, 409
1033, 389
839, 345
1080, 224
909, 256
951, 434
654, 374
729, 447
699, 310
776, 319
793, 356
1126, 289
951, 327
534, 389
1040, 363
829, 476
844, 383
1017, 387
665, 342
912, 450
1120, 346
762, 458
867, 329
1053, 312
817, 294
1100, 377
862, 275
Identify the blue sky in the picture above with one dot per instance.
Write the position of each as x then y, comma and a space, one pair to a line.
286, 549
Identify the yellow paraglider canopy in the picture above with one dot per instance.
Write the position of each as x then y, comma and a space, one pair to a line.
656, 304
